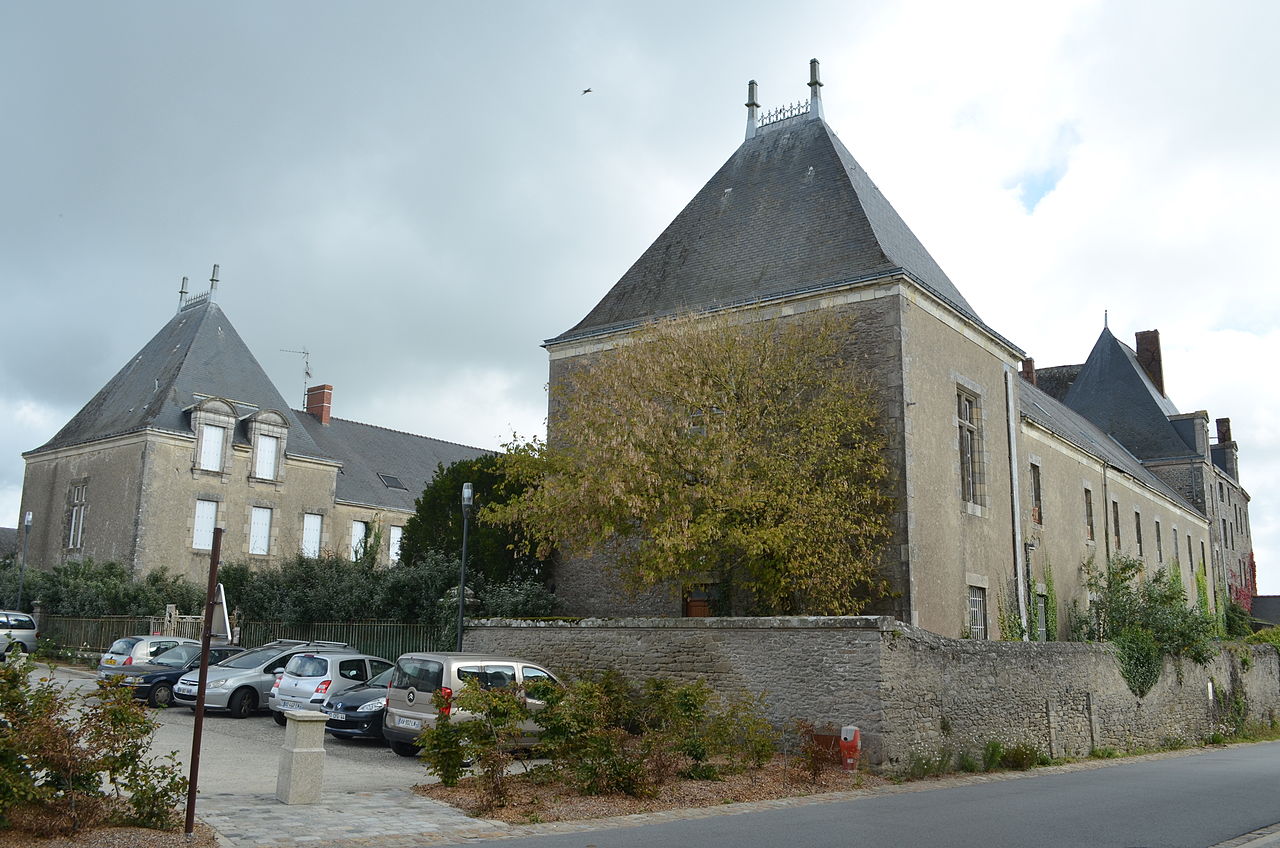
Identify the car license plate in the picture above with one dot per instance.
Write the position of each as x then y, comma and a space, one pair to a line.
337, 716
291, 705
110, 660
411, 723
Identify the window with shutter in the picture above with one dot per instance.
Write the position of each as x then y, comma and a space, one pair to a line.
206, 519
264, 461
211, 439
311, 526
260, 531
359, 530
396, 534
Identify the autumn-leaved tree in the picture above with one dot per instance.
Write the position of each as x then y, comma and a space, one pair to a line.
750, 453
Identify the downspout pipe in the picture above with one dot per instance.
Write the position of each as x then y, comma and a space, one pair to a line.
1015, 500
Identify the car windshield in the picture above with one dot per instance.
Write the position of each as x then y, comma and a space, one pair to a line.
251, 659
380, 679
307, 666
177, 657
123, 646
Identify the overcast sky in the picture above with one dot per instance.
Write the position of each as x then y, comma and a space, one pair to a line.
419, 194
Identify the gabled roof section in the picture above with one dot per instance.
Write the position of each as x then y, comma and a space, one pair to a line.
1039, 407
1114, 392
366, 452
197, 354
790, 211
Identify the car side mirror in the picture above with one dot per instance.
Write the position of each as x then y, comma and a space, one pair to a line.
279, 670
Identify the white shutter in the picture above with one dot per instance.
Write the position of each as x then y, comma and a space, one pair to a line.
311, 524
206, 518
358, 531
397, 533
264, 466
211, 437
260, 530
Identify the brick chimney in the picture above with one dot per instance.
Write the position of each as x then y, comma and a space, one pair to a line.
1029, 370
1148, 350
320, 402
1224, 430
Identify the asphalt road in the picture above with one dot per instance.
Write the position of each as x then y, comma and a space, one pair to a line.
1195, 801
241, 756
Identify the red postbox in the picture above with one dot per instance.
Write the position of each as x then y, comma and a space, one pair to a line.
850, 747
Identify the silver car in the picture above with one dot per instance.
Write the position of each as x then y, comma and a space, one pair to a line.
128, 650
17, 633
241, 685
312, 677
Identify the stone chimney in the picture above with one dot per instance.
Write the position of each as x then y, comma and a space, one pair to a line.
1224, 430
1148, 350
1029, 370
320, 402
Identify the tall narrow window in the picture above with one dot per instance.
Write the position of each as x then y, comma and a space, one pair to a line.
264, 460
311, 527
1037, 506
977, 612
1088, 515
260, 531
396, 534
1203, 559
1137, 531
359, 531
1191, 557
1159, 543
206, 519
966, 416
1115, 522
79, 506
211, 439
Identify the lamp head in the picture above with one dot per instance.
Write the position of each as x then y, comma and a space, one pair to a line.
466, 494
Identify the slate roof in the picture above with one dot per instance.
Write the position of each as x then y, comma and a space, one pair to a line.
1039, 407
1057, 379
791, 210
1267, 608
197, 353
1114, 392
366, 451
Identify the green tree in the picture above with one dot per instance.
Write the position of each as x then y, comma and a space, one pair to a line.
750, 453
436, 525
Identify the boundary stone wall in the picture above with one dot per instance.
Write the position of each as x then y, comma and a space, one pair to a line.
910, 691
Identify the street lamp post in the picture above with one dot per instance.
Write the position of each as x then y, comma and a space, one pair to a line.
462, 576
22, 569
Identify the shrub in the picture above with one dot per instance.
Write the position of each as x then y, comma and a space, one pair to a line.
444, 745
65, 759
992, 753
1021, 757
1266, 636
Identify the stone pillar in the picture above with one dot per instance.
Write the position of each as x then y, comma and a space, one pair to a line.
301, 776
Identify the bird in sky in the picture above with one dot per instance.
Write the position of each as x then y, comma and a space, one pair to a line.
586, 91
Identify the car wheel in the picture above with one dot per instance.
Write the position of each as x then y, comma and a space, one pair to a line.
242, 704
161, 696
279, 717
16, 648
404, 749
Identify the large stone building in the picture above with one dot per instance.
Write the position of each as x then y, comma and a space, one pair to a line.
1000, 484
190, 435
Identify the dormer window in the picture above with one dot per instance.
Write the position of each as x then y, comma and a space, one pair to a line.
264, 457
212, 440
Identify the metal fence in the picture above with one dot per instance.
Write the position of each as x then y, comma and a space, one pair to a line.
95, 634
384, 637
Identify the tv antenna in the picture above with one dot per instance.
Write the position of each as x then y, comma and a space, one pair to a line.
306, 369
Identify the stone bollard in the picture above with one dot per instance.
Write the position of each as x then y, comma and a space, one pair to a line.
301, 775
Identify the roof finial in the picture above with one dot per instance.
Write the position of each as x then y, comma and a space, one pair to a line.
753, 105
1105, 325
815, 88
213, 282
182, 294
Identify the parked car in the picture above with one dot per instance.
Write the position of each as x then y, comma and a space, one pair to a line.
128, 650
18, 633
240, 685
357, 713
153, 682
416, 677
311, 677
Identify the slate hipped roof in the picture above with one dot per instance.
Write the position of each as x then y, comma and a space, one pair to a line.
366, 451
791, 210
196, 354
1114, 392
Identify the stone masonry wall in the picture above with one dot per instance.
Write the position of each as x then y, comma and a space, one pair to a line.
910, 691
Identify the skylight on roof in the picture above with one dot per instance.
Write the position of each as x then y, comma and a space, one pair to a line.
391, 481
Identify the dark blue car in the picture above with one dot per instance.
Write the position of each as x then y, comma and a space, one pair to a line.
153, 681
356, 713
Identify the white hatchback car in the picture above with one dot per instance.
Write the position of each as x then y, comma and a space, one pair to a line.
128, 650
312, 677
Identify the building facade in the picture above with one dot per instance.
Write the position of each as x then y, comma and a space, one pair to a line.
191, 435
1004, 490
